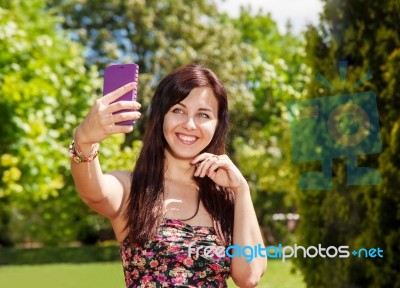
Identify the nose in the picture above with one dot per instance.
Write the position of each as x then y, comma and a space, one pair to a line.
189, 124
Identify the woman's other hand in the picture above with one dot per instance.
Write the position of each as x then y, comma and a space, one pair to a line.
220, 169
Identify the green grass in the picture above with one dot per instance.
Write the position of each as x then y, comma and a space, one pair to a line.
96, 275
279, 275
109, 275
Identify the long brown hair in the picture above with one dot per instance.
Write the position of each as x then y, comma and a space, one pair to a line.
145, 207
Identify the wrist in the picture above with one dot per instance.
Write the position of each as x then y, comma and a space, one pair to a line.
83, 152
243, 187
81, 141
80, 156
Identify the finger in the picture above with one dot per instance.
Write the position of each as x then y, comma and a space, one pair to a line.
199, 167
117, 129
204, 166
107, 120
214, 167
122, 105
114, 95
201, 158
202, 163
126, 116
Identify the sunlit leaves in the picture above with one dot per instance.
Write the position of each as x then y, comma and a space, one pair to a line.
45, 90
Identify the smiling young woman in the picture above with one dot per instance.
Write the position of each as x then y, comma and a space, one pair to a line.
184, 188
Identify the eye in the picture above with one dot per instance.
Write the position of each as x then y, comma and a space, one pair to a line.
204, 115
177, 110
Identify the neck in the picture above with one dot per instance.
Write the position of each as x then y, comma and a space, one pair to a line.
180, 169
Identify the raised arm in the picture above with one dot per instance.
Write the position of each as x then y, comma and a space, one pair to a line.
104, 193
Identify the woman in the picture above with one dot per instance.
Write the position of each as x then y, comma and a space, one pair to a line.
184, 194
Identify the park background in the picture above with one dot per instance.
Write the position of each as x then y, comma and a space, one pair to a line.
52, 56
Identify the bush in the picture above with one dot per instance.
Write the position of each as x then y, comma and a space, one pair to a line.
84, 254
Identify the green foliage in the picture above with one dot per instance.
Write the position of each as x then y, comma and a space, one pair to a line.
159, 36
47, 255
47, 89
40, 75
45, 92
366, 35
276, 73
48, 82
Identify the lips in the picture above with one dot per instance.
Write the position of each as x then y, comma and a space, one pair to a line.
186, 139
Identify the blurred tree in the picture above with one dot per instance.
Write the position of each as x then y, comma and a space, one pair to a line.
276, 73
159, 35
249, 54
366, 34
45, 91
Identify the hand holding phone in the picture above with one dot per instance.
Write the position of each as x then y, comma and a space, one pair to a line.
118, 75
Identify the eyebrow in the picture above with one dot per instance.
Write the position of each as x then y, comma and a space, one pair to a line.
201, 109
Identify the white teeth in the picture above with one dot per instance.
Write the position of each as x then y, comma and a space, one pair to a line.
187, 138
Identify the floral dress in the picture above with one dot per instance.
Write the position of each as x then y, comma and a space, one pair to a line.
166, 261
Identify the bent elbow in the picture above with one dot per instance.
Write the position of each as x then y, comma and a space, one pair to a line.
90, 201
249, 283
248, 279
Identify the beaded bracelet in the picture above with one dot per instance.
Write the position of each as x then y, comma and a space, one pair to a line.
78, 156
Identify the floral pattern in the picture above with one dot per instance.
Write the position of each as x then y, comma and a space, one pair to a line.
165, 261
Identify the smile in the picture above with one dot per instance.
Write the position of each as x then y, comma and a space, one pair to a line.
186, 139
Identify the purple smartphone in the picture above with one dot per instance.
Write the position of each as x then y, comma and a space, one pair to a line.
116, 76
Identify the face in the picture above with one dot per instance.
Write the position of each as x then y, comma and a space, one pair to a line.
189, 125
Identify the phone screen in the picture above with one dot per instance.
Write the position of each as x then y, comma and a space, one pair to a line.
116, 76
